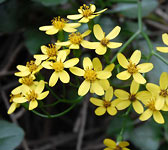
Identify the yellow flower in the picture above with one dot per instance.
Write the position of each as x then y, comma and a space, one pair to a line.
30, 68
59, 24
75, 40
49, 53
101, 47
165, 41
105, 104
112, 145
126, 99
14, 105
151, 110
161, 92
133, 68
58, 66
92, 75
32, 95
86, 13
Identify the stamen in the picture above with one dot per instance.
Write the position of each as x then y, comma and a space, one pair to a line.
52, 50
27, 80
86, 10
151, 104
104, 41
31, 96
132, 98
58, 66
132, 68
75, 38
163, 93
90, 75
59, 22
31, 65
107, 103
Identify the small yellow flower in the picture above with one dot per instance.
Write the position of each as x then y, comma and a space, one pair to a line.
30, 68
14, 105
49, 53
112, 145
32, 95
58, 66
101, 47
126, 99
105, 104
165, 41
75, 40
161, 92
133, 68
59, 24
92, 75
86, 13
151, 110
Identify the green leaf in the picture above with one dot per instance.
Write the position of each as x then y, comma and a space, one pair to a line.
34, 39
130, 10
10, 135
51, 2
1, 1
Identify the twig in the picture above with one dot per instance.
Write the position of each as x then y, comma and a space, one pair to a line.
162, 14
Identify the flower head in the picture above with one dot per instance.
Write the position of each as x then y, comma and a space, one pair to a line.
92, 76
165, 41
133, 69
86, 13
14, 105
105, 104
59, 24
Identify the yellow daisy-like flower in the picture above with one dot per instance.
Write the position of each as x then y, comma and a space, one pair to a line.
151, 110
126, 99
101, 47
49, 53
14, 105
92, 75
86, 13
59, 24
165, 41
58, 66
133, 69
161, 92
105, 104
32, 95
30, 68
75, 40
112, 145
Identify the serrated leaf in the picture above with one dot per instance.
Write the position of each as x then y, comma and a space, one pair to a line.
51, 2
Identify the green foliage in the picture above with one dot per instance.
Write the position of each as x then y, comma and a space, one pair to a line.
51, 2
1, 1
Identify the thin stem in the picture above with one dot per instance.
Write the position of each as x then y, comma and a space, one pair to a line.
160, 57
52, 92
139, 15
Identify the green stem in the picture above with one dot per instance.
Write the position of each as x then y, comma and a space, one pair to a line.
52, 92
148, 41
61, 36
139, 15
160, 57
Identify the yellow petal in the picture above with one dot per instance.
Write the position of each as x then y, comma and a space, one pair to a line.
121, 94
162, 49
103, 74
115, 102
20, 100
44, 49
123, 104
157, 116
96, 101
143, 96
71, 62
40, 87
92, 7
84, 88
109, 143
138, 107
89, 45
104, 83
100, 111
87, 63
12, 108
52, 31
134, 87
67, 43
98, 32
165, 38
42, 95
164, 80
61, 56
22, 68
109, 94
153, 88
123, 144
114, 33
47, 65
69, 29
101, 11
74, 46
136, 57
84, 20
145, 67
146, 115
86, 33
160, 102
53, 79
114, 44
139, 78
97, 64
122, 60
123, 75
167, 100
111, 110
109, 67
45, 28
73, 25
97, 88
74, 17
165, 108
40, 58
77, 71
33, 104
64, 76
16, 90
22, 74
100, 49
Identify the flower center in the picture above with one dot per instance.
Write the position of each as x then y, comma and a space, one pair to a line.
104, 41
132, 68
163, 93
58, 66
52, 50
27, 80
86, 10
59, 22
14, 96
132, 98
118, 148
31, 96
31, 65
90, 75
151, 105
75, 38
107, 103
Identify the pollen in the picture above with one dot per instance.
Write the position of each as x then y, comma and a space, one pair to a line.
117, 148
75, 38
90, 75
31, 65
27, 80
31, 96
107, 103
58, 66
59, 22
163, 93
52, 50
104, 41
132, 98
86, 11
151, 104
132, 68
